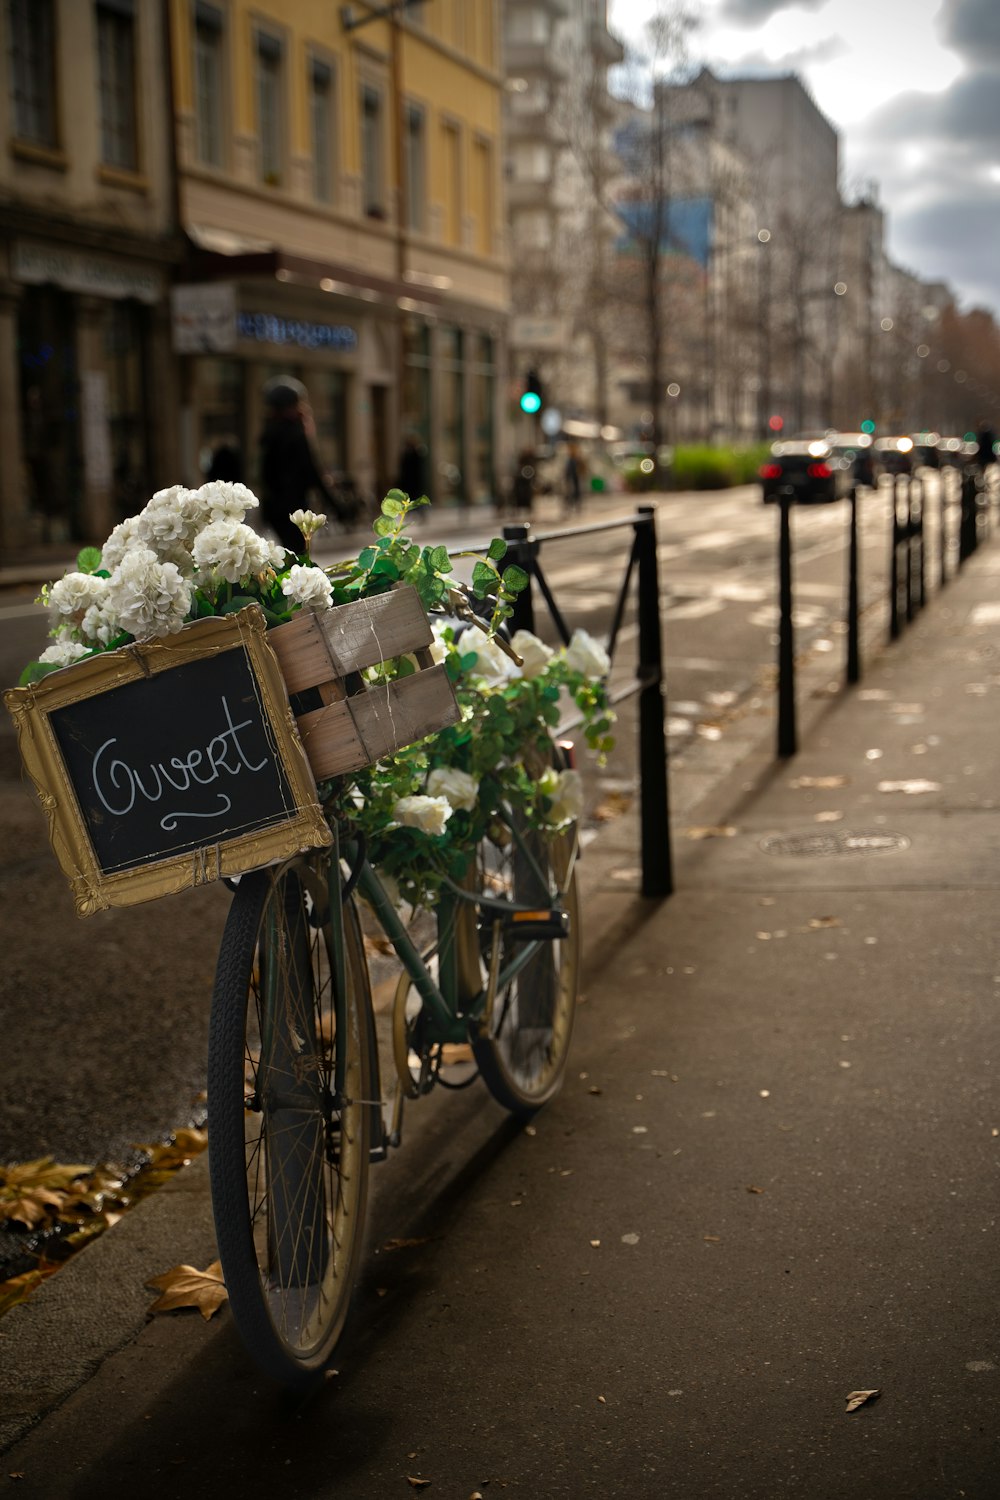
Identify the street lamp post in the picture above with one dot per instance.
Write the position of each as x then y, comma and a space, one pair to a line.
764, 330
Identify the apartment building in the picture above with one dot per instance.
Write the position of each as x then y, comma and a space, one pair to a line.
88, 246
339, 182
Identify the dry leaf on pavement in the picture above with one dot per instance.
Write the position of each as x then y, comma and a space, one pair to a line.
711, 831
826, 783
186, 1286
815, 922
417, 1484
858, 1398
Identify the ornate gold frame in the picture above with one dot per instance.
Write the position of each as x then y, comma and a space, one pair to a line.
95, 890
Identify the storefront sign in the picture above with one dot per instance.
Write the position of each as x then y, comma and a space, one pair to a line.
265, 328
204, 317
77, 271
539, 333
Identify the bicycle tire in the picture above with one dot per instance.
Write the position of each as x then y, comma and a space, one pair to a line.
288, 1166
522, 1048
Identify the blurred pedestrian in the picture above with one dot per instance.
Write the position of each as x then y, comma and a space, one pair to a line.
985, 446
413, 467
522, 490
288, 469
226, 463
573, 479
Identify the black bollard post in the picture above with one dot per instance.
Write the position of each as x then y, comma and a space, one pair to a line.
894, 625
787, 737
943, 487
853, 605
909, 537
657, 867
522, 551
967, 525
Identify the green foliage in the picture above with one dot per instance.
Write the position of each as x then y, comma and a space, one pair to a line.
700, 467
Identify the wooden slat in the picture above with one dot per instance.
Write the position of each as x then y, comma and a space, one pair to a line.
368, 631
345, 736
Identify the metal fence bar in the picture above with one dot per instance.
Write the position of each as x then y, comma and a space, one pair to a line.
853, 597
787, 734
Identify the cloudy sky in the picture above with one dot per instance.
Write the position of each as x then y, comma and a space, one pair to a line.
913, 86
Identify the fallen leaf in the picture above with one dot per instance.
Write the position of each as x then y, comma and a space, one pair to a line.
186, 1286
603, 1400
858, 1398
402, 1243
815, 922
712, 1239
913, 788
595, 1243
755, 1190
614, 804
828, 817
417, 1484
826, 783
710, 831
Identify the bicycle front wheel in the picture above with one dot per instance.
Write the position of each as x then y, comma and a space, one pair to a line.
522, 1046
290, 1085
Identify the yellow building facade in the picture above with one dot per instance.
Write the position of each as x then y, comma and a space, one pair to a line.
339, 182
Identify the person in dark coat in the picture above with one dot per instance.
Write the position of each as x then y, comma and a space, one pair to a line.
226, 463
288, 468
413, 467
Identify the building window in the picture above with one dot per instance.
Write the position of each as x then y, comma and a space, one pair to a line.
482, 194
371, 151
416, 168
116, 83
321, 124
209, 82
451, 143
268, 88
32, 70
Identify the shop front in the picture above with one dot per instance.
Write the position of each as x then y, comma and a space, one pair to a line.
85, 365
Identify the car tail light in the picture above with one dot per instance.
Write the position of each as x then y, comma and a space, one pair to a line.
819, 471
770, 471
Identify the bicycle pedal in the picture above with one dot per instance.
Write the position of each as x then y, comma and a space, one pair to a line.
532, 926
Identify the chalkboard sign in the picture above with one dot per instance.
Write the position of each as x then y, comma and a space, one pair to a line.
166, 765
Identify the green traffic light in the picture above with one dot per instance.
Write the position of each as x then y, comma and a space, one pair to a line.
531, 402
868, 426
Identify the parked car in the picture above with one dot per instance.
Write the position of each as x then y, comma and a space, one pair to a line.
893, 455
803, 468
851, 452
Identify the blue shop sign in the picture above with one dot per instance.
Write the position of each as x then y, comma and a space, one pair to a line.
265, 328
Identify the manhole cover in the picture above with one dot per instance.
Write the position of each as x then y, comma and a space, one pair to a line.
845, 841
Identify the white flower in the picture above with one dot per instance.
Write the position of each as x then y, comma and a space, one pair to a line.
221, 500
230, 550
429, 814
100, 624
458, 787
64, 651
167, 520
123, 537
309, 587
492, 666
564, 790
149, 598
72, 595
534, 653
584, 654
307, 521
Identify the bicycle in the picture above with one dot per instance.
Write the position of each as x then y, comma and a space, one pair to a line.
295, 1104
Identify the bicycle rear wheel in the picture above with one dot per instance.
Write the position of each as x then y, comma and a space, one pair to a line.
523, 1045
290, 1085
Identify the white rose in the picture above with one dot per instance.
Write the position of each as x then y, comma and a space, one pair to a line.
430, 814
534, 653
309, 587
585, 655
458, 787
564, 789
492, 665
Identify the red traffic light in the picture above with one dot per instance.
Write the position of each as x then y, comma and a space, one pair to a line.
776, 423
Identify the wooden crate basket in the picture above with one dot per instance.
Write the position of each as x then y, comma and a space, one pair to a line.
360, 721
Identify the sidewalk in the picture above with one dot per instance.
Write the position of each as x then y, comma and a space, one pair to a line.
770, 1180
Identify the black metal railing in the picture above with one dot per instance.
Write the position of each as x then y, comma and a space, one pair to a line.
640, 577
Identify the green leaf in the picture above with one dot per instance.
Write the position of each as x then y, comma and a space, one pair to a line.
392, 507
89, 559
366, 557
35, 671
236, 603
514, 579
483, 574
439, 560
383, 526
404, 667
498, 549
399, 497
385, 567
